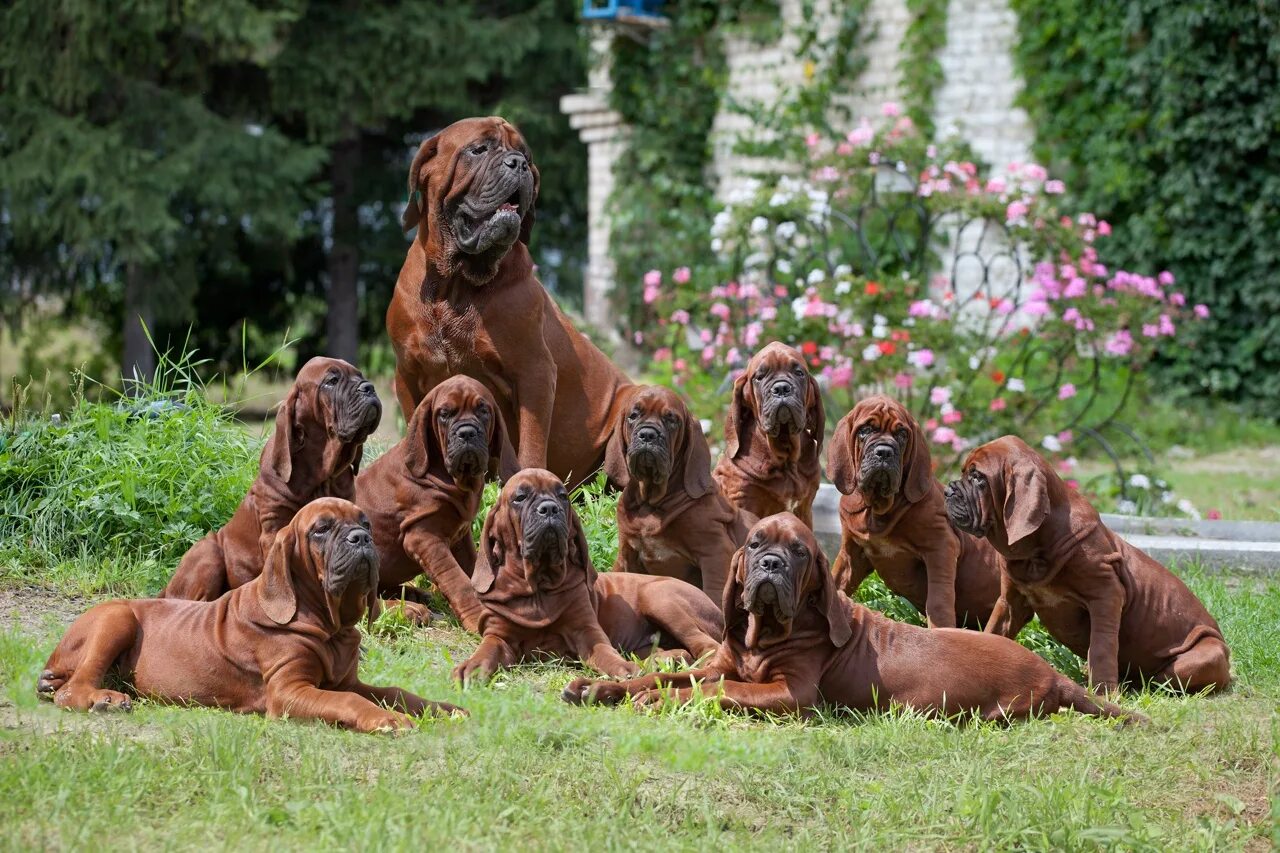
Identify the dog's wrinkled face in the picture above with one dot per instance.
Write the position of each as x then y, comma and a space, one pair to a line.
348, 403
881, 435
539, 508
777, 577
476, 184
465, 419
654, 435
341, 554
971, 500
780, 389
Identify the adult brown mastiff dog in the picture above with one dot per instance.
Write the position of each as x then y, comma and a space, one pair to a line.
773, 435
284, 644
543, 598
672, 518
1106, 600
423, 494
314, 452
467, 302
893, 521
794, 642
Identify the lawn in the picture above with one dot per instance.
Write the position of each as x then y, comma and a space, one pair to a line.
104, 503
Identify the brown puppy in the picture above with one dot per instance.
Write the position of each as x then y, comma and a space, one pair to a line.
314, 452
793, 641
423, 494
672, 519
467, 302
542, 597
282, 644
1104, 599
773, 435
893, 521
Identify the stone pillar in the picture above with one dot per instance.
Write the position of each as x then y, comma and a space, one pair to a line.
603, 131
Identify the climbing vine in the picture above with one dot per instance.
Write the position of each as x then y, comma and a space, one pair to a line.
920, 69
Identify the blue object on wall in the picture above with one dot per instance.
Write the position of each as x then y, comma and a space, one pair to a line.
612, 10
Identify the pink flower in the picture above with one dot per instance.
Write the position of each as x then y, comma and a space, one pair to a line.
1004, 306
1054, 187
681, 275
861, 135
812, 140
1165, 278
1035, 172
1065, 436
952, 417
719, 310
890, 109
1166, 325
939, 395
652, 278
1015, 212
1201, 311
903, 380
1104, 228
638, 337
1150, 330
650, 294
680, 365
1178, 299
944, 435
1066, 465
1036, 308
995, 186
751, 335
1074, 485
680, 317
998, 404
930, 425
920, 308
844, 149
1213, 515
1067, 391
1121, 343
921, 358
842, 376
708, 353
705, 336
662, 354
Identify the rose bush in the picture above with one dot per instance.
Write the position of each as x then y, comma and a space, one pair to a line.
900, 266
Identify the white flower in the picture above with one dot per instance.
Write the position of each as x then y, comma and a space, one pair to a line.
1140, 481
1016, 384
755, 259
974, 362
879, 320
1166, 498
1186, 507
871, 353
816, 276
1051, 444
879, 331
784, 266
720, 224
785, 230
842, 287
779, 198
843, 271
1126, 507
799, 305
717, 245
759, 225
706, 426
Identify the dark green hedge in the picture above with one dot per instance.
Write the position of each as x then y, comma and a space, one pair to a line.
1164, 117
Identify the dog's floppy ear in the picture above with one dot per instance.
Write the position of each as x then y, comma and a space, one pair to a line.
697, 459
276, 594
731, 599
415, 208
357, 459
838, 624
278, 454
420, 445
742, 416
615, 452
815, 418
842, 470
578, 542
492, 553
526, 224
918, 478
1026, 498
503, 463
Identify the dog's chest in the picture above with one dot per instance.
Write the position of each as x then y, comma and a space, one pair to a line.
883, 549
449, 338
654, 551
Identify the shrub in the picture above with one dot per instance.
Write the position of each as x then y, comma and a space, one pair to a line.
899, 266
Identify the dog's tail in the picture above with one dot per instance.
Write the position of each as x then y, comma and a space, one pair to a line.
1082, 701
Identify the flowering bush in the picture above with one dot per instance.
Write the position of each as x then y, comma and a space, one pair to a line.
899, 266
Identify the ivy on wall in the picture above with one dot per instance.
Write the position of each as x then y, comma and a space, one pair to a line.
1164, 116
919, 67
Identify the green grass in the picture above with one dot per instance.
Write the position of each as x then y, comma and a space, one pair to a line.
527, 771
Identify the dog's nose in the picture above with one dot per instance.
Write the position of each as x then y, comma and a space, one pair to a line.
359, 538
516, 162
467, 432
884, 451
771, 563
366, 388
549, 508
647, 433
782, 388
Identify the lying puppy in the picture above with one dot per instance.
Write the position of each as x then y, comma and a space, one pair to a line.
1104, 599
672, 519
773, 435
893, 521
314, 452
792, 642
423, 494
284, 644
542, 597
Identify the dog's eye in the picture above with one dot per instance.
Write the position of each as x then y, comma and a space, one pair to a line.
331, 380
799, 550
322, 528
635, 413
900, 432
670, 418
866, 430
445, 414
976, 476
753, 544
482, 409
798, 370
519, 496
480, 148
761, 374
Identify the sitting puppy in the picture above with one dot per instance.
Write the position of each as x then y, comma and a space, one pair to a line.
672, 519
282, 644
773, 435
423, 494
893, 521
314, 452
792, 642
1101, 597
542, 597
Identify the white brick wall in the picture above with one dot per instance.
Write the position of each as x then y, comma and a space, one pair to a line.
975, 100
